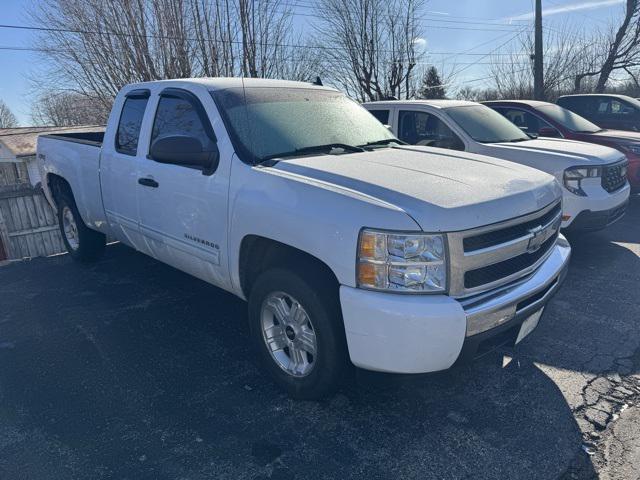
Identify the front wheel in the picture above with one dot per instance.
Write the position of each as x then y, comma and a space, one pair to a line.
297, 328
82, 243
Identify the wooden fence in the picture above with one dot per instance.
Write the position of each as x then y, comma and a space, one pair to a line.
28, 225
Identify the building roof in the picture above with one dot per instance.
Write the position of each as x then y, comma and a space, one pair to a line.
431, 103
21, 141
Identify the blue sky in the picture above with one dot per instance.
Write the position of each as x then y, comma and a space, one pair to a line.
471, 26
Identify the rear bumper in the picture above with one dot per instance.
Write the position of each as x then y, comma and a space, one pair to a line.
426, 333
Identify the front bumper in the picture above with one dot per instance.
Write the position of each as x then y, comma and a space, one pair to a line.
598, 204
592, 221
426, 333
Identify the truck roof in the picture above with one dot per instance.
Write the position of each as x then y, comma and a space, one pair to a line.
431, 103
531, 103
223, 83
616, 95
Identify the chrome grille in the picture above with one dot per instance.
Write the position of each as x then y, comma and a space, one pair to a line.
614, 177
489, 257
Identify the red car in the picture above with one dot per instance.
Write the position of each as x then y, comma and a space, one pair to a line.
549, 120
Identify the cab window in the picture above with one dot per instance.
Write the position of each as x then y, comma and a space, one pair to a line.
421, 128
178, 116
526, 121
129, 125
381, 115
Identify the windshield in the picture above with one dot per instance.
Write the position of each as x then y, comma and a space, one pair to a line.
485, 125
568, 119
264, 122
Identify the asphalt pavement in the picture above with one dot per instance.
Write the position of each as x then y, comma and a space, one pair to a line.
129, 369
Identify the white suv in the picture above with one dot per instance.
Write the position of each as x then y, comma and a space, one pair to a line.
594, 177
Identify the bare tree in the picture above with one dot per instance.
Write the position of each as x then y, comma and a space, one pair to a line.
217, 36
624, 47
96, 47
565, 51
372, 52
63, 109
476, 94
7, 118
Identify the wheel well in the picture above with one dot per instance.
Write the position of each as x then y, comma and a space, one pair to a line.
258, 254
57, 186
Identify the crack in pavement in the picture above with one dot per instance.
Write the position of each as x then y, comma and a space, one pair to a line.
605, 397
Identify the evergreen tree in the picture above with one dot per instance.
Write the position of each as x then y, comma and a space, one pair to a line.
431, 86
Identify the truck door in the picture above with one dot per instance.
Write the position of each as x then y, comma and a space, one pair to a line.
183, 209
119, 164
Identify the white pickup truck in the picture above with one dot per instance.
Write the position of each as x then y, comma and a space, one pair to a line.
594, 177
347, 245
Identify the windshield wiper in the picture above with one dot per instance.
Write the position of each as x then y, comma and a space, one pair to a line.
313, 149
384, 141
514, 140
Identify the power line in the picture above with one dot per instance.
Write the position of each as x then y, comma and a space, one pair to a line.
495, 49
167, 37
52, 50
429, 16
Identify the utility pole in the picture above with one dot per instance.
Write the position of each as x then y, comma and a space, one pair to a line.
538, 64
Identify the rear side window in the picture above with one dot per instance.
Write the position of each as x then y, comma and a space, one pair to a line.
620, 108
381, 115
129, 126
178, 116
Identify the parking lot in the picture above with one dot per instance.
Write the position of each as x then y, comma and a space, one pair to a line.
129, 369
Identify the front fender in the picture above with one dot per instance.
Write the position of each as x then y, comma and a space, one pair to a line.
320, 219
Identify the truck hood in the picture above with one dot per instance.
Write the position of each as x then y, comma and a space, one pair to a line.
554, 155
442, 190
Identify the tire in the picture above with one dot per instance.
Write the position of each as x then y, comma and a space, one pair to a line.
327, 367
82, 243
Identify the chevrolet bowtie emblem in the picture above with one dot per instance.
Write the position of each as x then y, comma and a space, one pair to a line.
536, 241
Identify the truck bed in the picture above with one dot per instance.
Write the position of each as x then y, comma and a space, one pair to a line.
94, 138
75, 157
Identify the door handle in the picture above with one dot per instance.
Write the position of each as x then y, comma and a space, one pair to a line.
148, 182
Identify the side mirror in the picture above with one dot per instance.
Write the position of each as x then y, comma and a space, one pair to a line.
548, 132
186, 151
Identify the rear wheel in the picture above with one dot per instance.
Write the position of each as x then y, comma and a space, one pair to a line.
82, 243
297, 328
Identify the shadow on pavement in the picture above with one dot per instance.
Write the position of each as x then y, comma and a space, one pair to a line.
130, 369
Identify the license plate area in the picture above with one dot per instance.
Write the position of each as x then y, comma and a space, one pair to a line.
529, 325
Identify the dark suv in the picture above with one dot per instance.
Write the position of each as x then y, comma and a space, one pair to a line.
607, 111
542, 119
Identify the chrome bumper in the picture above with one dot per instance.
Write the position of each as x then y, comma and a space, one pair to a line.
492, 309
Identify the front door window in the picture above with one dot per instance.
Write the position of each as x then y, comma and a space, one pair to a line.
422, 128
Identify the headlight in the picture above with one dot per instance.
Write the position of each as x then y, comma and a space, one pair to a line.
632, 147
573, 178
398, 262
